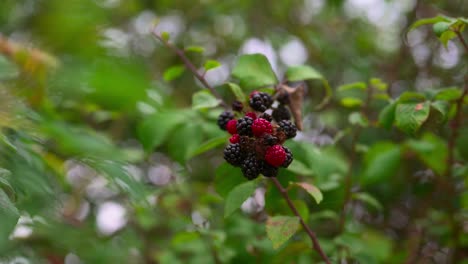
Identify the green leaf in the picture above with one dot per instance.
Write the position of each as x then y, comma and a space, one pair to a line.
440, 27
211, 64
448, 94
208, 145
378, 84
280, 228
9, 215
204, 100
300, 168
351, 102
410, 116
446, 36
196, 49
253, 71
311, 189
237, 197
165, 36
381, 162
303, 72
154, 130
352, 86
173, 72
427, 21
357, 118
432, 151
368, 199
411, 97
237, 91
387, 115
227, 177
184, 141
5, 185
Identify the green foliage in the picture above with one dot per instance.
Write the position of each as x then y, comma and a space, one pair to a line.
254, 71
281, 228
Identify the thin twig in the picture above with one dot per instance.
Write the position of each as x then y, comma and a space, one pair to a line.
313, 237
462, 40
189, 65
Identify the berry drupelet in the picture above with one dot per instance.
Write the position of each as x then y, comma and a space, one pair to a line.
260, 101
281, 113
288, 128
233, 154
231, 126
251, 167
275, 155
289, 157
244, 126
261, 126
224, 118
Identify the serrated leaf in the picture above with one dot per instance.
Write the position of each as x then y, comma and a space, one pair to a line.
253, 71
237, 91
357, 118
196, 49
387, 115
311, 189
303, 72
211, 64
409, 117
381, 162
351, 102
173, 73
204, 100
368, 199
427, 21
208, 145
237, 197
352, 86
448, 94
227, 177
281, 228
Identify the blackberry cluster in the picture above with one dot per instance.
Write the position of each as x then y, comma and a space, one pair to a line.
256, 144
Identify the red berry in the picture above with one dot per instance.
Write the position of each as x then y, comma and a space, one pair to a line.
251, 115
261, 126
275, 155
231, 127
234, 139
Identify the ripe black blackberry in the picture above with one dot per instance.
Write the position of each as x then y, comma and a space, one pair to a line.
224, 118
237, 106
251, 167
233, 154
281, 113
289, 157
266, 117
244, 126
260, 101
288, 128
267, 170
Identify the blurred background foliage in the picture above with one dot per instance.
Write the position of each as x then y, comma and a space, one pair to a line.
103, 159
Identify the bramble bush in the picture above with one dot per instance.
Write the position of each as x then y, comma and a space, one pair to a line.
106, 158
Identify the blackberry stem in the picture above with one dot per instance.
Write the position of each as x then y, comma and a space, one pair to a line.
313, 237
189, 65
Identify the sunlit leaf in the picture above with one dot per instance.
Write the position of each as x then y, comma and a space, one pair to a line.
311, 189
303, 72
237, 197
253, 71
211, 64
173, 72
204, 100
410, 116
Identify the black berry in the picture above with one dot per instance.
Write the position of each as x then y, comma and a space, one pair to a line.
289, 157
283, 98
233, 154
237, 106
288, 128
281, 113
260, 101
266, 117
268, 171
251, 167
224, 118
270, 140
244, 126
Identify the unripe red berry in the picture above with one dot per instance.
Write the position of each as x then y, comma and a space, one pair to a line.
275, 155
234, 139
251, 115
231, 127
261, 126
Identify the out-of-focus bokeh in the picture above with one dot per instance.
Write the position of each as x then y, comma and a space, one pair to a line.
103, 159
